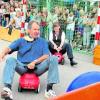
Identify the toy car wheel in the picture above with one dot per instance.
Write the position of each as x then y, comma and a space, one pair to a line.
19, 89
63, 61
38, 89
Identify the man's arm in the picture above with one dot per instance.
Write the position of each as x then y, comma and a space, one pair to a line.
37, 61
10, 23
41, 59
45, 55
4, 53
51, 40
62, 40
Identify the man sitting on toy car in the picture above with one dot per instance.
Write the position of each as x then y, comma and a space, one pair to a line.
57, 43
32, 52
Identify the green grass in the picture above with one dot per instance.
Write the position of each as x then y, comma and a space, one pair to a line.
85, 52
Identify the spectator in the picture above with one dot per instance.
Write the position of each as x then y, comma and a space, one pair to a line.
70, 27
16, 21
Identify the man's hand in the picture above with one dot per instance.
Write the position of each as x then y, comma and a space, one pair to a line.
31, 65
55, 47
2, 57
4, 53
59, 48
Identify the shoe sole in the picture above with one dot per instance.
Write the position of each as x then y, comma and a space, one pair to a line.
5, 96
48, 97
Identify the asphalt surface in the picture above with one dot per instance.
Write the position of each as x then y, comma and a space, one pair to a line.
66, 72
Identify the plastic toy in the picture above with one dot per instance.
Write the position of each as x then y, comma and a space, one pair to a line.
61, 59
90, 92
29, 81
84, 80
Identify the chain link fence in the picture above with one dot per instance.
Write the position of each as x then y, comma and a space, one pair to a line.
78, 19
83, 14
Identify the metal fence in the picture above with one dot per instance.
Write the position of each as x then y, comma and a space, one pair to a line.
85, 18
78, 19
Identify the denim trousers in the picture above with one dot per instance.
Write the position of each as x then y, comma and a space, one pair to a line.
86, 38
65, 48
69, 35
13, 65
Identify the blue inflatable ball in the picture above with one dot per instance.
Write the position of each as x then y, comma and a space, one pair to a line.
84, 80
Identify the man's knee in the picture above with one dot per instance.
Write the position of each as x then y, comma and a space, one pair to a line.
53, 58
11, 60
68, 46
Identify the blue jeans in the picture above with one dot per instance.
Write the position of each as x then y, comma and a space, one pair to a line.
65, 48
86, 38
69, 35
50, 64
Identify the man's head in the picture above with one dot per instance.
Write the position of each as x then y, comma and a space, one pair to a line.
18, 13
33, 29
56, 27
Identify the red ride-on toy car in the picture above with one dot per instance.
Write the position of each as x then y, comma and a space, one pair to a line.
29, 81
61, 59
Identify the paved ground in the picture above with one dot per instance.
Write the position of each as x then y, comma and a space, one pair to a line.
67, 74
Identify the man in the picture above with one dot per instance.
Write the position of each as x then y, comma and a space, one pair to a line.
57, 43
34, 54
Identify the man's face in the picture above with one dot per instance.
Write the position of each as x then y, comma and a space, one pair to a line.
18, 13
56, 29
34, 31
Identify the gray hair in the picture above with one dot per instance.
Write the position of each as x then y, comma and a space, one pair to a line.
31, 23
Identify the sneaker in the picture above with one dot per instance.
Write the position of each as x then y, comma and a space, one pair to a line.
49, 94
6, 94
73, 63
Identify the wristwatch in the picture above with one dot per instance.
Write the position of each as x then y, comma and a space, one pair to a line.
36, 61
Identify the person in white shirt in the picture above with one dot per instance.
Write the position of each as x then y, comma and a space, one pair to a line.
12, 12
70, 27
16, 21
57, 43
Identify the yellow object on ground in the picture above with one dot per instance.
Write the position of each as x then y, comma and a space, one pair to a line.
96, 55
9, 35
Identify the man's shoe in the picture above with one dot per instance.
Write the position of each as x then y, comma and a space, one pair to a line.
72, 63
49, 94
6, 94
